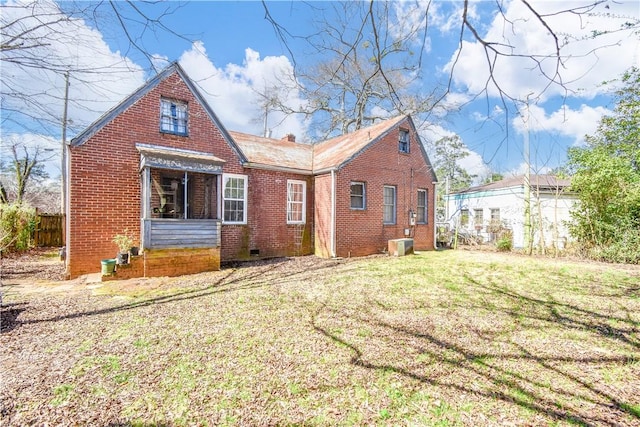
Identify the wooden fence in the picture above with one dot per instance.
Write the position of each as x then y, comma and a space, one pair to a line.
50, 230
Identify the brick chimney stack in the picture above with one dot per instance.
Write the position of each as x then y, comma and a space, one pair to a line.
289, 137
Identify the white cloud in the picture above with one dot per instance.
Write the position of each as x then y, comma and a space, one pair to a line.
587, 61
472, 163
566, 122
234, 91
99, 77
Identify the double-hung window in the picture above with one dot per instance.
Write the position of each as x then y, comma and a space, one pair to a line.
173, 117
495, 215
358, 196
389, 205
296, 201
421, 214
234, 196
403, 143
464, 218
478, 217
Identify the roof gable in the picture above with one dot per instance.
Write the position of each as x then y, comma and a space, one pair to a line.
107, 117
336, 152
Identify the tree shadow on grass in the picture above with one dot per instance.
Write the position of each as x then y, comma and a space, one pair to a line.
549, 384
9, 314
267, 274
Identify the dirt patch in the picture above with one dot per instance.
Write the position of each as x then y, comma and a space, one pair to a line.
42, 264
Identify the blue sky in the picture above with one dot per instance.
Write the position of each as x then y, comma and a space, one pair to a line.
232, 49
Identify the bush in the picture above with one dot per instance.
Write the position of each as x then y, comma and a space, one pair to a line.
624, 250
17, 225
505, 241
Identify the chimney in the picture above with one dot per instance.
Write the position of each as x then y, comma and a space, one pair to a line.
289, 137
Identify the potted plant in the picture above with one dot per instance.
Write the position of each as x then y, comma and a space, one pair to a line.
124, 243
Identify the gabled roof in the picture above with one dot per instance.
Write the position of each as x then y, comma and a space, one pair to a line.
141, 92
336, 152
537, 182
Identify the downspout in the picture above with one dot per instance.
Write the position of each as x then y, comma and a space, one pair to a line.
435, 215
333, 213
67, 207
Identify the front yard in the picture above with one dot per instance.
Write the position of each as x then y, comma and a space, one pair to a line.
440, 338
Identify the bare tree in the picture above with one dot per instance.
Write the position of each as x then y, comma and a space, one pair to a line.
41, 41
371, 57
362, 63
25, 168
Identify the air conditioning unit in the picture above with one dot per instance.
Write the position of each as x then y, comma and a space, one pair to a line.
400, 247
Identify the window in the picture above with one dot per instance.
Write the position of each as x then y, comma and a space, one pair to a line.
173, 117
464, 218
421, 215
235, 199
389, 205
296, 196
495, 215
358, 196
403, 145
477, 217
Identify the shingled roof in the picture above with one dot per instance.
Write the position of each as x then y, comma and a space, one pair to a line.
272, 153
537, 182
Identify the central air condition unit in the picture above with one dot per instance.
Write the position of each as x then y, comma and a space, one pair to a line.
400, 247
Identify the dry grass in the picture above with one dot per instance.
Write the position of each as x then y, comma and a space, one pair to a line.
440, 338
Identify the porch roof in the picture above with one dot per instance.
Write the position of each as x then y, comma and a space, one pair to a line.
177, 159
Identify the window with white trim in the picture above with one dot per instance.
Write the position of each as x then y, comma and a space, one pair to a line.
478, 217
234, 199
421, 214
358, 196
173, 117
296, 201
495, 214
464, 218
403, 142
389, 205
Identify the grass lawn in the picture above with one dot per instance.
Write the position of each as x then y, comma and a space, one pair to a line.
439, 339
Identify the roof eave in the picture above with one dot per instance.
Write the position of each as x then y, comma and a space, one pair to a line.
274, 168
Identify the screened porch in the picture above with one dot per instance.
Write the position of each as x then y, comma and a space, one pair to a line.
181, 203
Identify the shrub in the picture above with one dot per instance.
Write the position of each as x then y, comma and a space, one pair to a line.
505, 241
17, 225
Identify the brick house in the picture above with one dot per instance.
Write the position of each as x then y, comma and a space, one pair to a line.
161, 166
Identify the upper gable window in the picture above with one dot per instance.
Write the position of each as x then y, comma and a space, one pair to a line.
403, 143
173, 117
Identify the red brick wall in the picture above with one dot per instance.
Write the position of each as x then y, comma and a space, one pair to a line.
267, 230
322, 222
104, 172
362, 232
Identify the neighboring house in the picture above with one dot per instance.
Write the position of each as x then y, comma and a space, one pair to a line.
483, 209
161, 166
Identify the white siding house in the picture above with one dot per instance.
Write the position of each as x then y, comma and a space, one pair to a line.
476, 209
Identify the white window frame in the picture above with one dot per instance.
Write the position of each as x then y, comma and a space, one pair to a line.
170, 122
364, 196
465, 216
478, 217
225, 179
495, 214
386, 205
422, 218
292, 184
